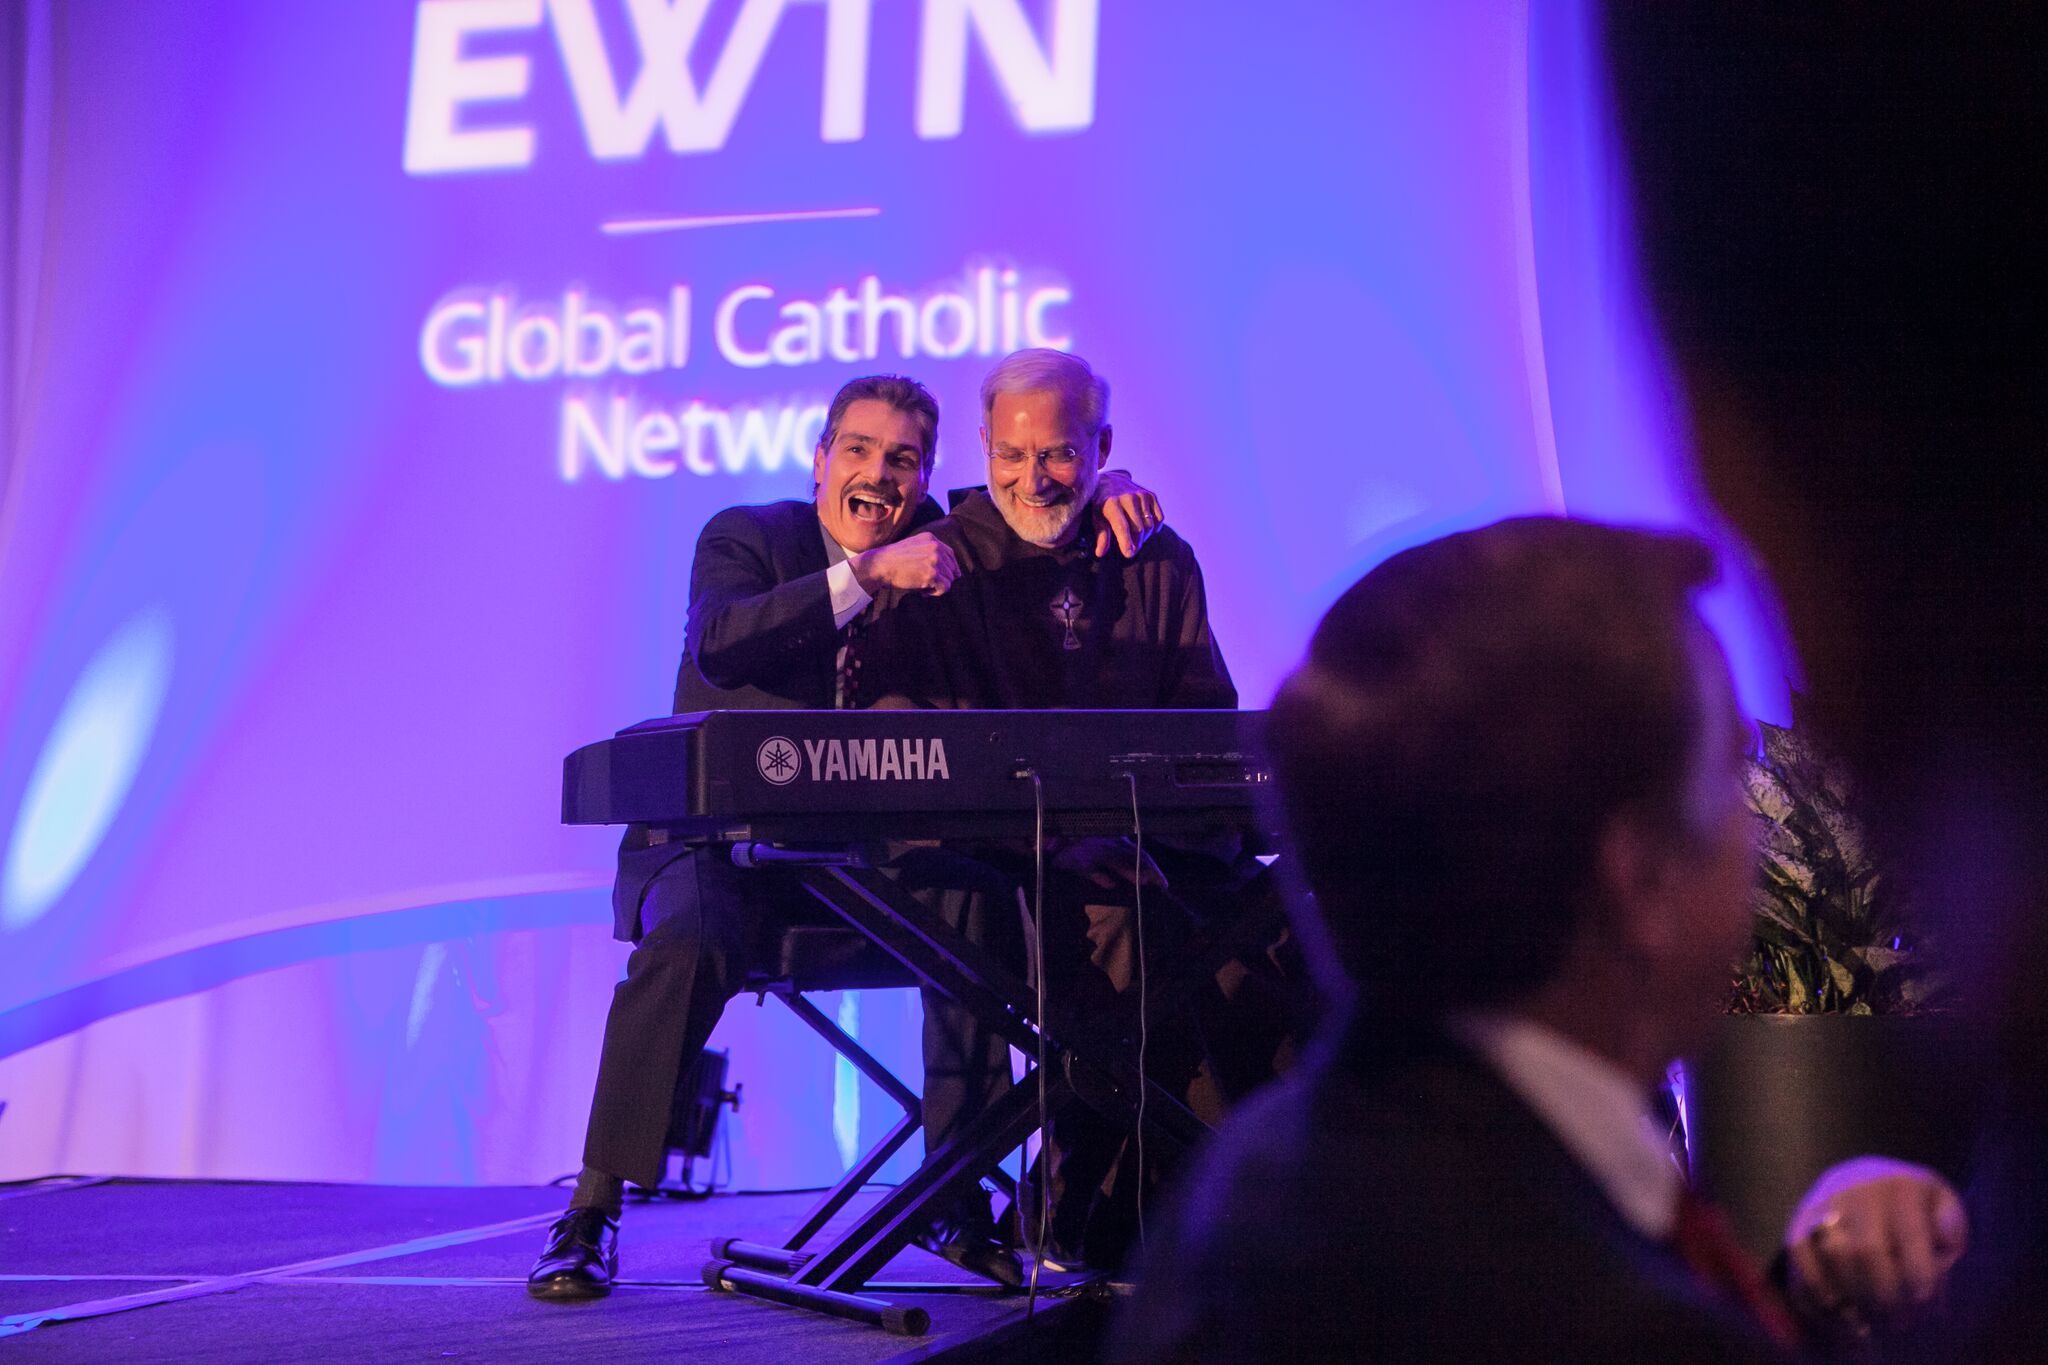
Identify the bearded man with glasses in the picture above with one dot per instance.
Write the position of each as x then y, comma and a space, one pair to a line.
1052, 612
1044, 616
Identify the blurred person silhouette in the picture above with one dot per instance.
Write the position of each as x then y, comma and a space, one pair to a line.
1511, 769
1829, 210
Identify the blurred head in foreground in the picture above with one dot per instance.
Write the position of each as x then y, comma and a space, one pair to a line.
1512, 766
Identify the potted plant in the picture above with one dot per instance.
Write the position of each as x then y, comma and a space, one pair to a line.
1834, 934
1838, 1046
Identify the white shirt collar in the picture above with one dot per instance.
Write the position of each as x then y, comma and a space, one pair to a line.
1600, 1115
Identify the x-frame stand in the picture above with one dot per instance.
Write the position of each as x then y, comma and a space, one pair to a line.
1090, 1064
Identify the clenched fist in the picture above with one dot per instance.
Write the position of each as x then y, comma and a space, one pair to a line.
920, 563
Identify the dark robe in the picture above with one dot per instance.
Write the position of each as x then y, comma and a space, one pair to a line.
1031, 628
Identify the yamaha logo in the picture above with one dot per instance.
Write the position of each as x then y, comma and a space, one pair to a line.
781, 761
778, 761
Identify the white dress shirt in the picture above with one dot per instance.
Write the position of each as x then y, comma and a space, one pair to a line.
849, 598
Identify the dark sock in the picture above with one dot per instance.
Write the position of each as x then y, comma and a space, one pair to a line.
599, 1190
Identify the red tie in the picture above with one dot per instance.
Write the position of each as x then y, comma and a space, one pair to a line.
1705, 1242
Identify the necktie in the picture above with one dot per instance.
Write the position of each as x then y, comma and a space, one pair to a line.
1705, 1242
846, 684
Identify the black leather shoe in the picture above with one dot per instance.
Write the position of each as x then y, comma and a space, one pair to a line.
972, 1245
580, 1260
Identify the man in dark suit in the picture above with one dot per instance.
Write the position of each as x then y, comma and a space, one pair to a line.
776, 594
1512, 768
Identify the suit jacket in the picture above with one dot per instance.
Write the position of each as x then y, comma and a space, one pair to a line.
759, 637
1393, 1200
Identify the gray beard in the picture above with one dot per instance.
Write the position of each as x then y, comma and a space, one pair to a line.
1043, 526
1046, 527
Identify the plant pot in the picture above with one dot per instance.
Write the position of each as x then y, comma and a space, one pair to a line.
1778, 1098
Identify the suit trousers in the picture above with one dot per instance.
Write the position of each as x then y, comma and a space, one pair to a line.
705, 927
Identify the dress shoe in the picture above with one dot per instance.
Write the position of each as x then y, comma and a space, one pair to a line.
1065, 1263
1065, 1257
972, 1244
581, 1258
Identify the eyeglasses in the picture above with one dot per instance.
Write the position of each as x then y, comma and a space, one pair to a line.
1057, 460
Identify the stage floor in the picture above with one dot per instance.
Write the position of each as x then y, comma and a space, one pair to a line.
229, 1271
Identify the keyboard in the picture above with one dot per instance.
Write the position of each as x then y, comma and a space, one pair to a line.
906, 774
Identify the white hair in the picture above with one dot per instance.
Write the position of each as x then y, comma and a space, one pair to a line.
1083, 393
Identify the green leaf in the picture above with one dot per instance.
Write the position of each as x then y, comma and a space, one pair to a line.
1785, 872
1881, 960
1766, 797
1776, 923
1798, 1000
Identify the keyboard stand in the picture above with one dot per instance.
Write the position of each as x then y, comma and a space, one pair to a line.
1092, 1065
